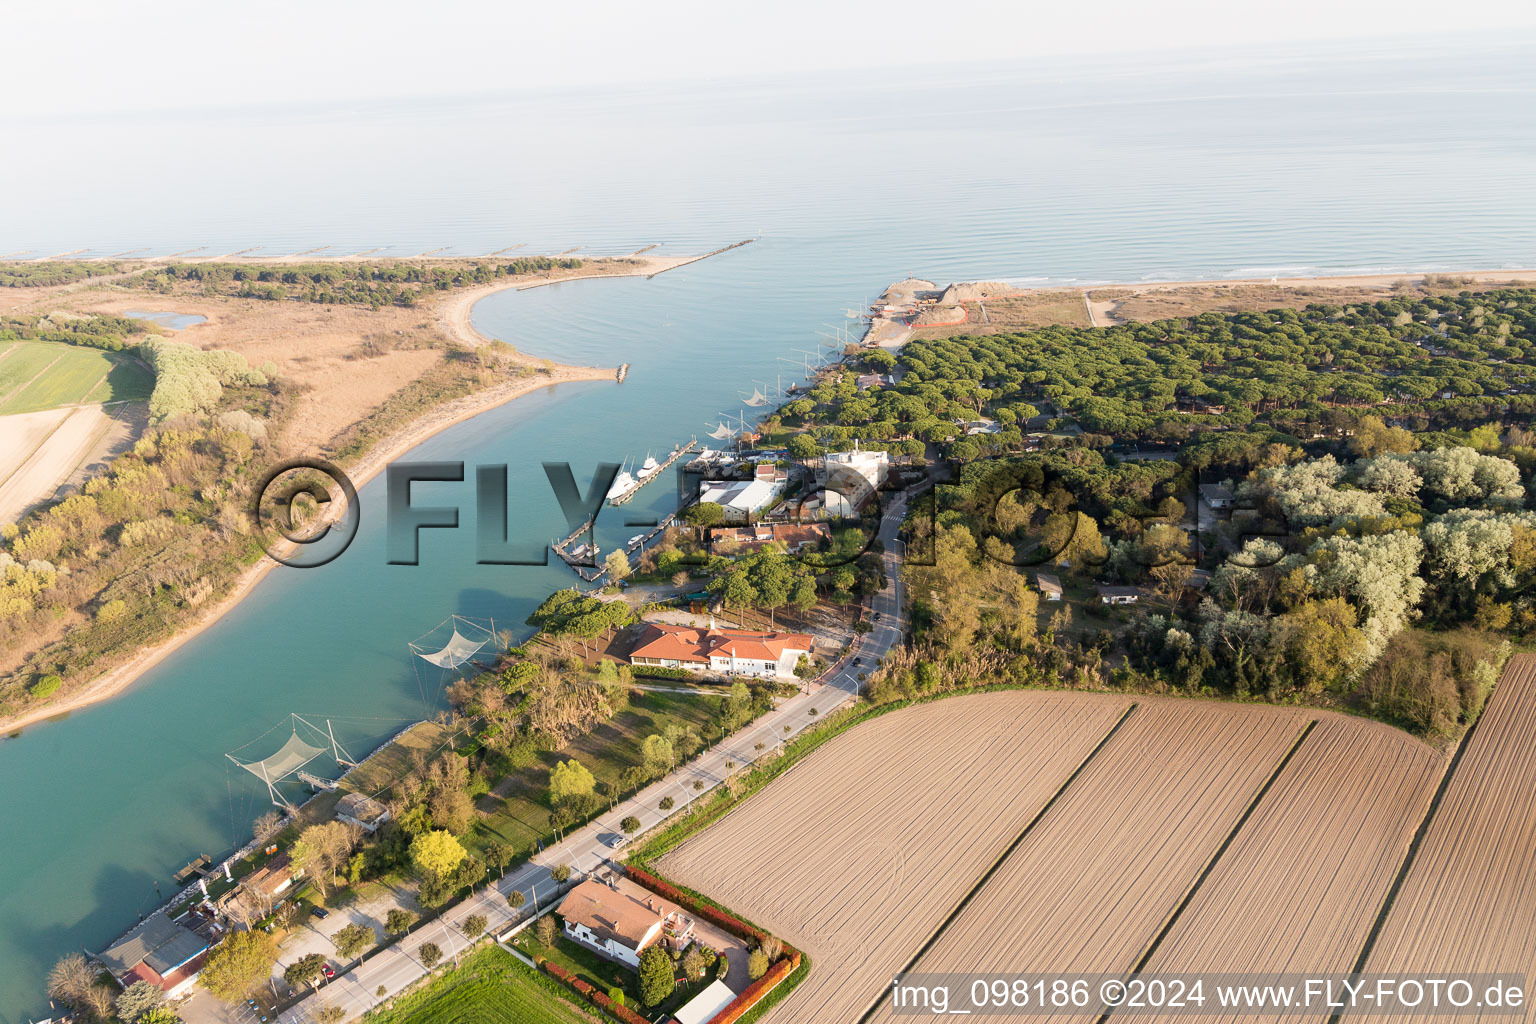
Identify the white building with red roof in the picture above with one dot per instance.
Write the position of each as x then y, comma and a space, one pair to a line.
731, 652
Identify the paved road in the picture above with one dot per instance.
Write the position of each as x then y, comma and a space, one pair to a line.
588, 848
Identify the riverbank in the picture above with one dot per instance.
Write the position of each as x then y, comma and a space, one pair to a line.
453, 315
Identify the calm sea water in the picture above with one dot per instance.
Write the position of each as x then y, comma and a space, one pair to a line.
1251, 165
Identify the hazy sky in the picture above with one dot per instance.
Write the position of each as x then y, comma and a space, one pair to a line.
104, 55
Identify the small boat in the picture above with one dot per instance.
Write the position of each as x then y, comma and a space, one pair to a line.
647, 467
635, 541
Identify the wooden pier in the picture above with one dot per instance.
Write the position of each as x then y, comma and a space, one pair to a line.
679, 453
592, 572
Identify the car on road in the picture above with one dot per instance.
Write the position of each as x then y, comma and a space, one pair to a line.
616, 840
320, 912
858, 661
328, 971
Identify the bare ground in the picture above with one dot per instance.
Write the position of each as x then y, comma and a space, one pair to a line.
857, 854
1468, 902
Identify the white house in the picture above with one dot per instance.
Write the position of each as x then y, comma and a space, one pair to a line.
619, 925
1217, 496
740, 499
361, 810
855, 475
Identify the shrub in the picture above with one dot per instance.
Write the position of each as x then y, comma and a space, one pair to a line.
47, 686
757, 964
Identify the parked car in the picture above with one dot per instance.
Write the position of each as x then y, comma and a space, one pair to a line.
320, 912
328, 971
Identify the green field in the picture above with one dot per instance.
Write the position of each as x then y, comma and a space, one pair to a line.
517, 813
37, 375
492, 987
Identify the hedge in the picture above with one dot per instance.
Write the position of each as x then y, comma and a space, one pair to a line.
756, 991
592, 995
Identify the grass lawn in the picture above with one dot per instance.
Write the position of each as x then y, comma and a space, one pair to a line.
491, 987
582, 962
606, 974
37, 375
518, 808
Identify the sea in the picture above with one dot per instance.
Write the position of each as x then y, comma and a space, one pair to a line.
1375, 156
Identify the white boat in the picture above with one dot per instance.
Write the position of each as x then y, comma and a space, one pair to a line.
647, 467
622, 485
634, 541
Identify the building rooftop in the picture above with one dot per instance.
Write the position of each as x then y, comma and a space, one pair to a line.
690, 643
360, 806
1047, 583
157, 941
614, 915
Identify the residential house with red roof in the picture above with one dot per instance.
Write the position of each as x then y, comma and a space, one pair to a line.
729, 652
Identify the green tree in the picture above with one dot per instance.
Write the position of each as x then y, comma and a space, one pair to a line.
500, 856
516, 899
430, 954
353, 939
239, 965
657, 754
704, 514
398, 921
695, 963
304, 970
570, 780
436, 853
330, 1015
802, 446
656, 978
630, 824
1325, 643
474, 926
561, 873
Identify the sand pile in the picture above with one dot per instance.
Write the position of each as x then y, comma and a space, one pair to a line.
941, 315
972, 292
904, 293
